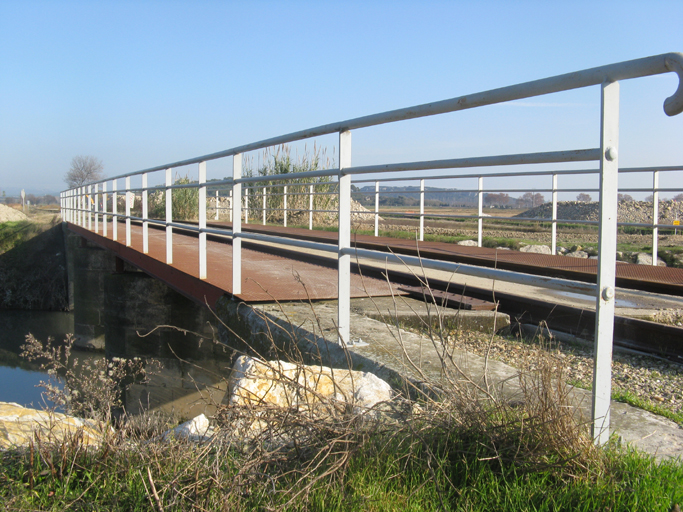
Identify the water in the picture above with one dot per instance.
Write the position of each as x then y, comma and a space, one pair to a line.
18, 379
185, 387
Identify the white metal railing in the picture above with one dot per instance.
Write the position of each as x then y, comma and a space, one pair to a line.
76, 209
481, 192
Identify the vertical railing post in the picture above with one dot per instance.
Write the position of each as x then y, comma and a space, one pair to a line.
230, 209
310, 207
145, 216
246, 205
96, 206
285, 206
104, 209
264, 205
480, 220
216, 217
129, 200
236, 195
202, 220
169, 217
553, 242
89, 201
377, 208
115, 211
344, 258
655, 216
422, 210
607, 246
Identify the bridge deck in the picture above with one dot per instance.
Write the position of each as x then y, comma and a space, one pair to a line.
266, 277
640, 277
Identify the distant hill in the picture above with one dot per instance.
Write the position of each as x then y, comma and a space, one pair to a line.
409, 196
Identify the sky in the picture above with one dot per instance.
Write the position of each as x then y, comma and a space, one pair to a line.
145, 83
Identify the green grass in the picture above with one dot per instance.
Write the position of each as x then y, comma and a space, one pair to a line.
627, 397
13, 234
386, 474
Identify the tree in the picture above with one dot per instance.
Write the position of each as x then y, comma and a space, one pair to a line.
584, 198
84, 169
625, 197
531, 200
501, 199
678, 197
649, 199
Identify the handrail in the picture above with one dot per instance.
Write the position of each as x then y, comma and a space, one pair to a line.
647, 66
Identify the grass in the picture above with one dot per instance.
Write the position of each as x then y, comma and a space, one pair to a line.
450, 472
13, 234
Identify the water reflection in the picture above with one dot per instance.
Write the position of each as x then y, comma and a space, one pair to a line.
189, 374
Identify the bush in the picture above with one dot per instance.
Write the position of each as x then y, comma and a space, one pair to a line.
184, 205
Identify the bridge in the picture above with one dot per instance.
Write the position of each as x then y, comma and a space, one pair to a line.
194, 258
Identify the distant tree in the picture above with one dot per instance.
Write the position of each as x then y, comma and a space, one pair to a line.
84, 169
531, 200
584, 198
497, 199
678, 197
649, 198
625, 197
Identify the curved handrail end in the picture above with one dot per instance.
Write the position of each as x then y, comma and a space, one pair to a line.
673, 105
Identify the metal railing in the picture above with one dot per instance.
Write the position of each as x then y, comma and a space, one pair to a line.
480, 194
81, 205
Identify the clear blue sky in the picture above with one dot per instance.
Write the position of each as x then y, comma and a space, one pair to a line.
144, 83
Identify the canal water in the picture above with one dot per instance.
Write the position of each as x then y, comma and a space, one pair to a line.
19, 379
189, 376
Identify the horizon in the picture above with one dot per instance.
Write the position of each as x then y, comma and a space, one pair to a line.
143, 84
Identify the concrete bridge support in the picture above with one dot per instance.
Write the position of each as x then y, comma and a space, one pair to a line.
127, 313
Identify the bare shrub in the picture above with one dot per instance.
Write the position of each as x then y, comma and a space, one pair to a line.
90, 389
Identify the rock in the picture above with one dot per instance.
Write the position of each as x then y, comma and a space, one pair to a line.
196, 429
468, 243
577, 254
562, 250
536, 249
642, 258
316, 388
19, 425
503, 248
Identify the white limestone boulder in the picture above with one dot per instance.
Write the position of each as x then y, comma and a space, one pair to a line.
196, 429
468, 243
577, 254
643, 258
19, 426
318, 389
536, 249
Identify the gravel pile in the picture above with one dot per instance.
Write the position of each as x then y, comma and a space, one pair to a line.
655, 381
639, 212
8, 214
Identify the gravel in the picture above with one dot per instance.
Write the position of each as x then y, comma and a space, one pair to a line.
657, 382
639, 212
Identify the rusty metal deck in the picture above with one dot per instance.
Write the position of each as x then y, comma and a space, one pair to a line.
267, 277
640, 277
